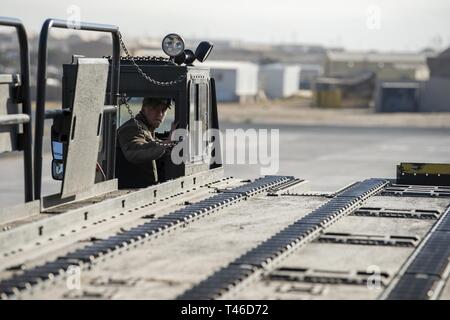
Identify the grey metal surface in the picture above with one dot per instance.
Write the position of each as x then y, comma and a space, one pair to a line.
340, 265
417, 191
122, 240
19, 211
12, 119
309, 275
53, 113
265, 255
426, 268
55, 200
182, 256
369, 239
123, 262
84, 140
397, 213
56, 224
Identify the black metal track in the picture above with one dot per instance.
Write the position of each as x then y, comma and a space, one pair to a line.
100, 248
306, 229
427, 266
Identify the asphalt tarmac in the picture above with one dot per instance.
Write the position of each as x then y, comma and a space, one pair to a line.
329, 157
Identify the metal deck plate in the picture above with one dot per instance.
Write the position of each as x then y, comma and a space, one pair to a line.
121, 240
287, 239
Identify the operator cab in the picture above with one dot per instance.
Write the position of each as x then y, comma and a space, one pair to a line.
83, 132
87, 124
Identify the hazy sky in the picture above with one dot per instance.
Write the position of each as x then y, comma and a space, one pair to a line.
354, 24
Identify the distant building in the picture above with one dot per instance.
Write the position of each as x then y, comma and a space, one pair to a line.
387, 66
397, 96
436, 91
352, 91
308, 75
432, 95
236, 81
279, 80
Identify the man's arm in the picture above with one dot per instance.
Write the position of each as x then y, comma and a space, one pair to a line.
136, 148
166, 137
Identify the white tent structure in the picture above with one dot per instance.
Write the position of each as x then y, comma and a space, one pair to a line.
235, 80
279, 80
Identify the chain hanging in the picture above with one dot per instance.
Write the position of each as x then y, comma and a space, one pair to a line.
180, 79
124, 100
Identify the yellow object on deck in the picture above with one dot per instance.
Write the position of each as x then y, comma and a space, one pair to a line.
331, 98
437, 174
425, 168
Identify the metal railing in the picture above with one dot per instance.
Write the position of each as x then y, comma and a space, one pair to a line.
42, 77
25, 117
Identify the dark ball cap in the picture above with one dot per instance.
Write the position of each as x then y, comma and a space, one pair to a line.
153, 102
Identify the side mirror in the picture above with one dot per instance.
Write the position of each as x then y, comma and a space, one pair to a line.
57, 150
57, 169
203, 50
57, 162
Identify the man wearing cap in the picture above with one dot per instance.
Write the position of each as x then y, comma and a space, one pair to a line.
138, 147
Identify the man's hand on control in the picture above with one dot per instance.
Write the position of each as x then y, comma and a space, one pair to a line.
173, 127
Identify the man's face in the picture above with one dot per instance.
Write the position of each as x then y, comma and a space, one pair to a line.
155, 115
